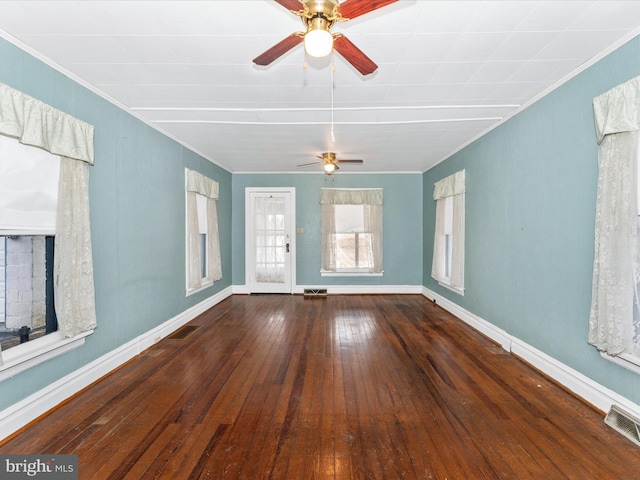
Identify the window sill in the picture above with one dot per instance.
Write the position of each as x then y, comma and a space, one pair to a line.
459, 291
350, 273
199, 289
22, 357
626, 360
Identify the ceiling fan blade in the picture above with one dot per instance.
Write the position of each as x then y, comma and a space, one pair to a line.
307, 164
354, 8
350, 161
278, 49
290, 4
354, 55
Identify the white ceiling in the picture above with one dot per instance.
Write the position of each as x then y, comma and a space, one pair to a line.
448, 71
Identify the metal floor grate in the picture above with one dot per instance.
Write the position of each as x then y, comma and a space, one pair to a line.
183, 332
624, 423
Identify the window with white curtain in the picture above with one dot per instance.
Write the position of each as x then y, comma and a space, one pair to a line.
31, 122
351, 231
448, 244
203, 243
614, 321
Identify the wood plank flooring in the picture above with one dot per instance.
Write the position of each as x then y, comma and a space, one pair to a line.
342, 387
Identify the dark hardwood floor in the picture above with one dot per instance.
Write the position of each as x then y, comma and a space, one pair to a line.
362, 387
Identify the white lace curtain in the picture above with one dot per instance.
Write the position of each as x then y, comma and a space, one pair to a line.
35, 123
198, 184
451, 186
614, 322
372, 212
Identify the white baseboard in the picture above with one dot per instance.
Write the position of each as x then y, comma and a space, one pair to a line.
363, 289
241, 289
346, 289
20, 414
590, 391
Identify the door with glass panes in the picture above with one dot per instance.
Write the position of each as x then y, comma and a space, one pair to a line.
270, 257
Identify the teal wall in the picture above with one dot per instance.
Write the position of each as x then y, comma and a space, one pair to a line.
137, 215
530, 211
402, 224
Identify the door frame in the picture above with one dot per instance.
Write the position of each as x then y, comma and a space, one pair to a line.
249, 255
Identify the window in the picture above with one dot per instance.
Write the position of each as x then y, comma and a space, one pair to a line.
27, 121
448, 245
201, 204
353, 243
203, 245
614, 320
351, 232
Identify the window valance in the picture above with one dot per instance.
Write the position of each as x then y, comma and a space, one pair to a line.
196, 182
333, 196
35, 123
449, 186
618, 110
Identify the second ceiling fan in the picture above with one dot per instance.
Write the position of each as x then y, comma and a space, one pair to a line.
329, 162
318, 17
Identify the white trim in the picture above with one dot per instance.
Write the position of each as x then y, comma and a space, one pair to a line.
346, 272
496, 334
32, 231
347, 189
241, 289
202, 287
363, 289
626, 360
321, 172
589, 390
459, 291
25, 411
23, 357
346, 289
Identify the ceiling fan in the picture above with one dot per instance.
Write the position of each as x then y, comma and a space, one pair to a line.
318, 17
330, 162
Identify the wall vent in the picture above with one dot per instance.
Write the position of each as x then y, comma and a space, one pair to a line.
624, 423
315, 292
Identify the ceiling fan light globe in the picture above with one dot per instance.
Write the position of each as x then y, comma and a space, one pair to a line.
318, 43
329, 168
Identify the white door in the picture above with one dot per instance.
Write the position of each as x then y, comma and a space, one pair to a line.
270, 249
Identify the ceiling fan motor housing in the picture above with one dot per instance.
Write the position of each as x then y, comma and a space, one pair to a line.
327, 9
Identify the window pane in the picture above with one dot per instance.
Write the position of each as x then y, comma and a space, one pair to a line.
201, 205
365, 254
447, 254
353, 250
26, 289
270, 239
203, 255
349, 218
346, 250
